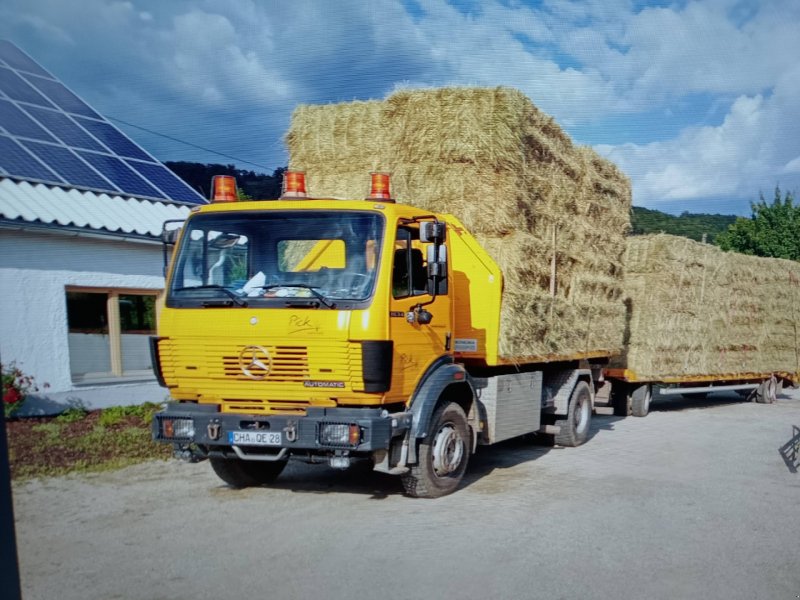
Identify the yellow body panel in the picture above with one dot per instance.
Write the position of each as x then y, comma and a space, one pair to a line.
477, 284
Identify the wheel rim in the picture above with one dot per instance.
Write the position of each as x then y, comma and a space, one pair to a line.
581, 416
448, 450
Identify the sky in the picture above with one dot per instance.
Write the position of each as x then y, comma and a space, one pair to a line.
697, 102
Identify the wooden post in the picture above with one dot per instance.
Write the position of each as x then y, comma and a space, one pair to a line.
553, 265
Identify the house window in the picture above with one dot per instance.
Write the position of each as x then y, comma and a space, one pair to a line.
108, 334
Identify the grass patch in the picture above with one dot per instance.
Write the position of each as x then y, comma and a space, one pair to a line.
80, 441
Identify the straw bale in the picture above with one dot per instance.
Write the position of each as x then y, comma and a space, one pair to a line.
516, 181
695, 310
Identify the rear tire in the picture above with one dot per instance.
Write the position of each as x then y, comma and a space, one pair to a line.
443, 455
244, 473
640, 400
767, 392
574, 430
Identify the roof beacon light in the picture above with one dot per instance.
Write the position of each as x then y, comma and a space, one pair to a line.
379, 190
223, 189
294, 184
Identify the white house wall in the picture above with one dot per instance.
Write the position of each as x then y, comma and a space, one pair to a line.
35, 269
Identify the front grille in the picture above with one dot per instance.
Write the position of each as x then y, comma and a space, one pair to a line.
289, 364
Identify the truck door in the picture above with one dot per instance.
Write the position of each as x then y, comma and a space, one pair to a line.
416, 344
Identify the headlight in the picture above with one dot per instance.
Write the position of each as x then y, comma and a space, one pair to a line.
339, 434
177, 429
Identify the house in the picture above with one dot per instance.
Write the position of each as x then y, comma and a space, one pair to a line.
81, 258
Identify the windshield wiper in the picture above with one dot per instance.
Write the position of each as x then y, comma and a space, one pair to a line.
305, 286
236, 300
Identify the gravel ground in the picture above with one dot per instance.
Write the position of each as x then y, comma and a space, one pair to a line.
694, 501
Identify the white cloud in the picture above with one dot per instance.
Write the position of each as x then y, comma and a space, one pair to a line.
754, 149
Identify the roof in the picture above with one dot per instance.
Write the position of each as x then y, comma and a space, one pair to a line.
43, 205
48, 134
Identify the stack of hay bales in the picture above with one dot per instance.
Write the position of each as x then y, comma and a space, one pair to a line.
696, 310
516, 181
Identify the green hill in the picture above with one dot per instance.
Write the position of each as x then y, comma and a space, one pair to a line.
694, 226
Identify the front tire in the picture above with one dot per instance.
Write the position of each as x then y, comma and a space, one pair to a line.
574, 430
244, 473
443, 455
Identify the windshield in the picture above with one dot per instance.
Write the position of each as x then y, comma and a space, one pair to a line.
320, 258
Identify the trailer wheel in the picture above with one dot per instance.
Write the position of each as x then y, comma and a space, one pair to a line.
574, 430
443, 455
767, 392
244, 473
640, 400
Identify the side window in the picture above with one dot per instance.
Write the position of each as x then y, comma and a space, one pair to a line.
410, 273
216, 258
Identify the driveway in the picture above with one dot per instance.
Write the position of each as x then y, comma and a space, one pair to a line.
701, 499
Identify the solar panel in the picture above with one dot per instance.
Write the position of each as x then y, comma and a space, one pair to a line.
64, 128
113, 139
17, 59
57, 93
15, 159
15, 122
121, 174
49, 134
71, 168
16, 88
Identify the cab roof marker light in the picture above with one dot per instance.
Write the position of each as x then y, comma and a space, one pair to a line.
379, 187
294, 185
223, 189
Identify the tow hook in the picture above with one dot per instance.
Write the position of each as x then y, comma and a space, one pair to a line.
213, 431
291, 431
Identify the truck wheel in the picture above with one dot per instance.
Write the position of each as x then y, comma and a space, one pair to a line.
575, 428
443, 455
244, 473
640, 400
767, 392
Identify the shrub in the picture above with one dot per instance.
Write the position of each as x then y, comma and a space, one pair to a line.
16, 388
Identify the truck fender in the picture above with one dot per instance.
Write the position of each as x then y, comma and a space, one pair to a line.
558, 387
440, 375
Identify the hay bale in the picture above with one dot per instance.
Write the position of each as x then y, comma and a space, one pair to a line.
509, 173
696, 310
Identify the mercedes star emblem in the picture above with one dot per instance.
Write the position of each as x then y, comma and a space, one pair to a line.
255, 362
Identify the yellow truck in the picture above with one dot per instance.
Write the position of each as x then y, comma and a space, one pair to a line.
334, 330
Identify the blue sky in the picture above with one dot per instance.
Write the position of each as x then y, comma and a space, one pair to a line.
696, 101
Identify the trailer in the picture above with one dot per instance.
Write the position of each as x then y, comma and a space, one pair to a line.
631, 395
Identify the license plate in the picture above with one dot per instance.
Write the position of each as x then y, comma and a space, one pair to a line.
254, 438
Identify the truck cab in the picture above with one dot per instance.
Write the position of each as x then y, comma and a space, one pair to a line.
329, 329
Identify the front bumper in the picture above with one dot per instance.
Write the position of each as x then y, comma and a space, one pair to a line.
297, 433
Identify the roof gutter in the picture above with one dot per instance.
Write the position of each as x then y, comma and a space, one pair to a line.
73, 231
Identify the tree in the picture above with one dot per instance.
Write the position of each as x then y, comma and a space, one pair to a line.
772, 230
695, 226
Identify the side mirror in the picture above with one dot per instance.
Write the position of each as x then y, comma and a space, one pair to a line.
171, 231
432, 232
170, 236
437, 270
